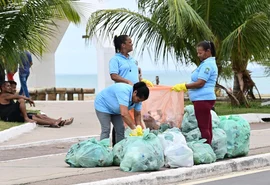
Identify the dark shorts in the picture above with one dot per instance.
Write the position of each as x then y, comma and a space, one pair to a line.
11, 112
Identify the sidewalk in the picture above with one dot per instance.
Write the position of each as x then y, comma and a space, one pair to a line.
51, 169
85, 122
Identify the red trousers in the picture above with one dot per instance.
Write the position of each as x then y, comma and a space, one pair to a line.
204, 118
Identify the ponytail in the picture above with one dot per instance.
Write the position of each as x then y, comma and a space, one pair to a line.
208, 45
118, 41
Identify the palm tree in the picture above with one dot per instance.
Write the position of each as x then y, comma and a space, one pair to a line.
239, 29
28, 24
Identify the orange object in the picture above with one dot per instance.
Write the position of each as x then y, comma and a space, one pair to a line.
163, 106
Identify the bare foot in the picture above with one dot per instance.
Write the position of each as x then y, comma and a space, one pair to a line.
69, 121
28, 120
57, 123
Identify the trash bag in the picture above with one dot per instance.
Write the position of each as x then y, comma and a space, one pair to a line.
178, 156
238, 135
190, 122
71, 155
163, 106
176, 151
144, 154
219, 143
193, 135
202, 152
215, 119
90, 153
119, 148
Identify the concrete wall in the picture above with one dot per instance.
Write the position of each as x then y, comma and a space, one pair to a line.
104, 54
43, 69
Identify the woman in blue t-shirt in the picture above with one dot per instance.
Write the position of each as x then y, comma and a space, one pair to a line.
112, 105
201, 90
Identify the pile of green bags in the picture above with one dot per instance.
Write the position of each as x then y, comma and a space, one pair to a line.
219, 143
139, 153
192, 132
202, 152
90, 153
238, 135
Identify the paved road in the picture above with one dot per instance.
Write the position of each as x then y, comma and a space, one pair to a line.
252, 177
63, 148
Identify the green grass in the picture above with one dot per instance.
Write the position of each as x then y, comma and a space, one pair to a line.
225, 108
7, 125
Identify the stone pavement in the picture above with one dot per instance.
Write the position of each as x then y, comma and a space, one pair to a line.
28, 159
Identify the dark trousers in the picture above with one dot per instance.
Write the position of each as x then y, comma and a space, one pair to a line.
204, 118
113, 137
105, 120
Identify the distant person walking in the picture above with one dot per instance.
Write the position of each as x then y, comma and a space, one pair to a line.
24, 72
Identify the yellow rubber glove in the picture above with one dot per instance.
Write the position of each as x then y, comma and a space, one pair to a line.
137, 132
180, 87
148, 83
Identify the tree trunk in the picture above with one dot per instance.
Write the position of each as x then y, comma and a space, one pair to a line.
243, 87
233, 99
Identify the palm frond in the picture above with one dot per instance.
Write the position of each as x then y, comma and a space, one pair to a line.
251, 39
28, 25
165, 30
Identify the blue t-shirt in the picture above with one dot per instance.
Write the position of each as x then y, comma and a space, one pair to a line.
26, 62
125, 67
208, 72
110, 99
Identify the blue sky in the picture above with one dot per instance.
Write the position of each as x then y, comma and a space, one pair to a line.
74, 56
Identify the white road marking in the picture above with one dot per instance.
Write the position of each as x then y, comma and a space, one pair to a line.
225, 176
36, 157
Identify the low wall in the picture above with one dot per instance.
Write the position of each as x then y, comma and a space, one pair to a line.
61, 94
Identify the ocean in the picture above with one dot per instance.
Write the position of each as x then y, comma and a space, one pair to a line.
166, 78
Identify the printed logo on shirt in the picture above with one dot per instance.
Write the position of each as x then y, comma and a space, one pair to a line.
206, 71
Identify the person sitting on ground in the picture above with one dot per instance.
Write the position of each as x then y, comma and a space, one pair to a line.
12, 111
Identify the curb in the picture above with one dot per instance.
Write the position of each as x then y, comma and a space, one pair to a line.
16, 131
190, 173
49, 142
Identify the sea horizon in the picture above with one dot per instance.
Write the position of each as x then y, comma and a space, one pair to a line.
168, 77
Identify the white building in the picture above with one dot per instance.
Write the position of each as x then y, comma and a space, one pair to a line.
43, 69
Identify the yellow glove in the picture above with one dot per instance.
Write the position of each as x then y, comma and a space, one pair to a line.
148, 83
179, 87
137, 132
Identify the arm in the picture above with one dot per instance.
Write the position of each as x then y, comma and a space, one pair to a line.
8, 96
138, 119
126, 117
29, 59
195, 85
117, 78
